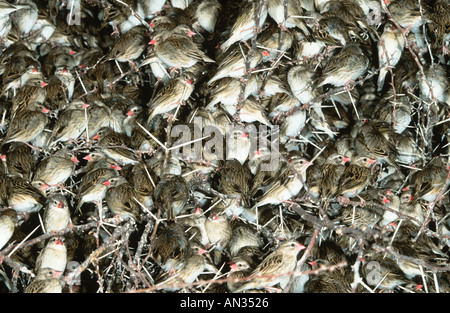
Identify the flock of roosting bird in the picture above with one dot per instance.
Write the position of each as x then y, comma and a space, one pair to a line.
354, 97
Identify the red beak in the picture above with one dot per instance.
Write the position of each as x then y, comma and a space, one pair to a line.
87, 158
43, 84
300, 247
106, 183
130, 113
152, 42
75, 160
61, 205
59, 242
345, 159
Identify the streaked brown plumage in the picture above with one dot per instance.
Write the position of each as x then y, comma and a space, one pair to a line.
119, 198
171, 195
47, 280
281, 261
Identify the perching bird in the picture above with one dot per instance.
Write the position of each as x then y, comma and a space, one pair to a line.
8, 222
193, 265
56, 213
172, 95
129, 46
276, 268
171, 195
355, 177
219, 231
390, 49
289, 182
346, 66
47, 280
245, 24
176, 49
53, 255
120, 199
56, 168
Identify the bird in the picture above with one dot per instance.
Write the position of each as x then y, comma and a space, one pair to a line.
396, 113
193, 265
56, 168
300, 79
409, 207
115, 146
120, 198
173, 94
355, 177
171, 195
144, 182
407, 14
25, 17
8, 222
238, 144
276, 268
349, 64
47, 280
289, 17
370, 141
53, 255
94, 187
289, 182
428, 182
390, 49
331, 29
33, 91
330, 174
234, 65
326, 281
71, 123
244, 235
383, 272
219, 231
27, 124
250, 111
240, 268
207, 14
234, 180
129, 46
170, 246
437, 80
24, 197
56, 213
20, 160
176, 49
244, 26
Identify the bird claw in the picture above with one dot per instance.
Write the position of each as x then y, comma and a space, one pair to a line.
344, 201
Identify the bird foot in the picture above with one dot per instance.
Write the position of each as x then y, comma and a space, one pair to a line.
344, 201
174, 70
272, 289
350, 85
